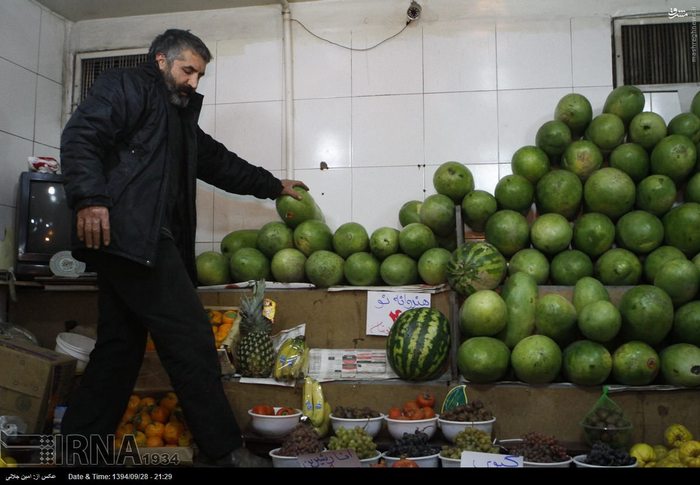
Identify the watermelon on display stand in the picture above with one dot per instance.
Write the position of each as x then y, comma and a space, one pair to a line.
418, 344
476, 266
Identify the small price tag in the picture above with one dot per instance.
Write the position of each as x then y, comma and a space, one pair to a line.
473, 459
330, 459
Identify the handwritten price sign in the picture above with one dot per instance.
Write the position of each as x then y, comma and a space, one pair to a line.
384, 307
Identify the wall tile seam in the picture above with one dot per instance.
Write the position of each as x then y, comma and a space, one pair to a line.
27, 139
38, 74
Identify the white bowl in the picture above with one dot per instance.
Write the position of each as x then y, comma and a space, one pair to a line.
371, 425
579, 461
534, 464
397, 427
429, 461
450, 462
450, 429
556, 464
279, 461
273, 426
366, 462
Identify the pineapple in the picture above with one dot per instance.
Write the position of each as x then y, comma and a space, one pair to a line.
256, 354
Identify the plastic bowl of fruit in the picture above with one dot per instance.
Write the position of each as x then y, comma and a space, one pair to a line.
450, 429
397, 427
371, 425
615, 436
280, 461
428, 461
581, 461
537, 450
274, 425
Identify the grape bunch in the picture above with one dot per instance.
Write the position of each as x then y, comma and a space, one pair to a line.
539, 448
301, 440
355, 413
472, 411
412, 445
602, 454
355, 439
469, 439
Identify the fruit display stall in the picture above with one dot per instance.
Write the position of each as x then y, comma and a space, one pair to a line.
581, 270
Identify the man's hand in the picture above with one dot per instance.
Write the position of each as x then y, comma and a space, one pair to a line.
93, 226
288, 188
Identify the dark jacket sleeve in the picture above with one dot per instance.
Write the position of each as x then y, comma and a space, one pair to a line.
102, 119
224, 169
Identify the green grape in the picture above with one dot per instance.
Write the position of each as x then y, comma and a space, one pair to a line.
355, 439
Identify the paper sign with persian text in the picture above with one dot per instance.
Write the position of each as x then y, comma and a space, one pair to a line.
344, 458
384, 307
474, 459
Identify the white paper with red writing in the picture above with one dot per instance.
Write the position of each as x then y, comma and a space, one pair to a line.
384, 307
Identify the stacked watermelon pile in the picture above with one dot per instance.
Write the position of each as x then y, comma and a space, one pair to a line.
608, 205
302, 247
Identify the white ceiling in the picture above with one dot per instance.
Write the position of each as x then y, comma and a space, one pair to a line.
76, 10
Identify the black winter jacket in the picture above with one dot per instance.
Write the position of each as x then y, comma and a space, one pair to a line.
114, 152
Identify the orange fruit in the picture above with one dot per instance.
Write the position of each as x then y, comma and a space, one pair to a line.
155, 430
140, 438
154, 442
229, 317
142, 420
172, 432
160, 414
215, 317
134, 402
147, 402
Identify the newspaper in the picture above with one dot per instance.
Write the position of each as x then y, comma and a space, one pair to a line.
349, 364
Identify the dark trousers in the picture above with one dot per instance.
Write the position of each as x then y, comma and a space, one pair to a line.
134, 300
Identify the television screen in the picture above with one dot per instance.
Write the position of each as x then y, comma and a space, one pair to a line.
43, 222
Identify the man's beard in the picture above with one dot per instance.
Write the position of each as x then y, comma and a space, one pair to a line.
178, 95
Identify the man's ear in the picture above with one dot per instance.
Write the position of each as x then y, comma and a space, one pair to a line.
161, 59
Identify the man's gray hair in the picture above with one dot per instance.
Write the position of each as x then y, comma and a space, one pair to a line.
173, 41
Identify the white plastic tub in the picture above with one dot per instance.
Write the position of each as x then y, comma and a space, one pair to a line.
77, 346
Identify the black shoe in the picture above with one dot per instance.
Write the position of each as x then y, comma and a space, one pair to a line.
238, 458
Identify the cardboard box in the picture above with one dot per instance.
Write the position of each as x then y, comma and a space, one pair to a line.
33, 381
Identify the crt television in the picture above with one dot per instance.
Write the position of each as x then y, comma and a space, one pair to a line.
43, 224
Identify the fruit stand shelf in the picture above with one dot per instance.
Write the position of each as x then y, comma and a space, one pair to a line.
337, 320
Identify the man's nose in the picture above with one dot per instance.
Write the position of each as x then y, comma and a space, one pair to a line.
193, 81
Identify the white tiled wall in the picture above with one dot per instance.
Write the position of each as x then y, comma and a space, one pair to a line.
468, 82
31, 90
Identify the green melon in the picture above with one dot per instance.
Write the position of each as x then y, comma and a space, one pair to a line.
295, 211
418, 344
475, 266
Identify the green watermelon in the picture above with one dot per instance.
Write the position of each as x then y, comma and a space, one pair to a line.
475, 266
418, 344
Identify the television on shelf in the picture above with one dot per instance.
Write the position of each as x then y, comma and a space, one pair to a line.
43, 223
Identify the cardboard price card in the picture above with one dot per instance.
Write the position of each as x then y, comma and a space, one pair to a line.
384, 307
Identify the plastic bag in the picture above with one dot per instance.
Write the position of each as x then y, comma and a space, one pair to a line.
12, 425
10, 331
606, 422
605, 413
